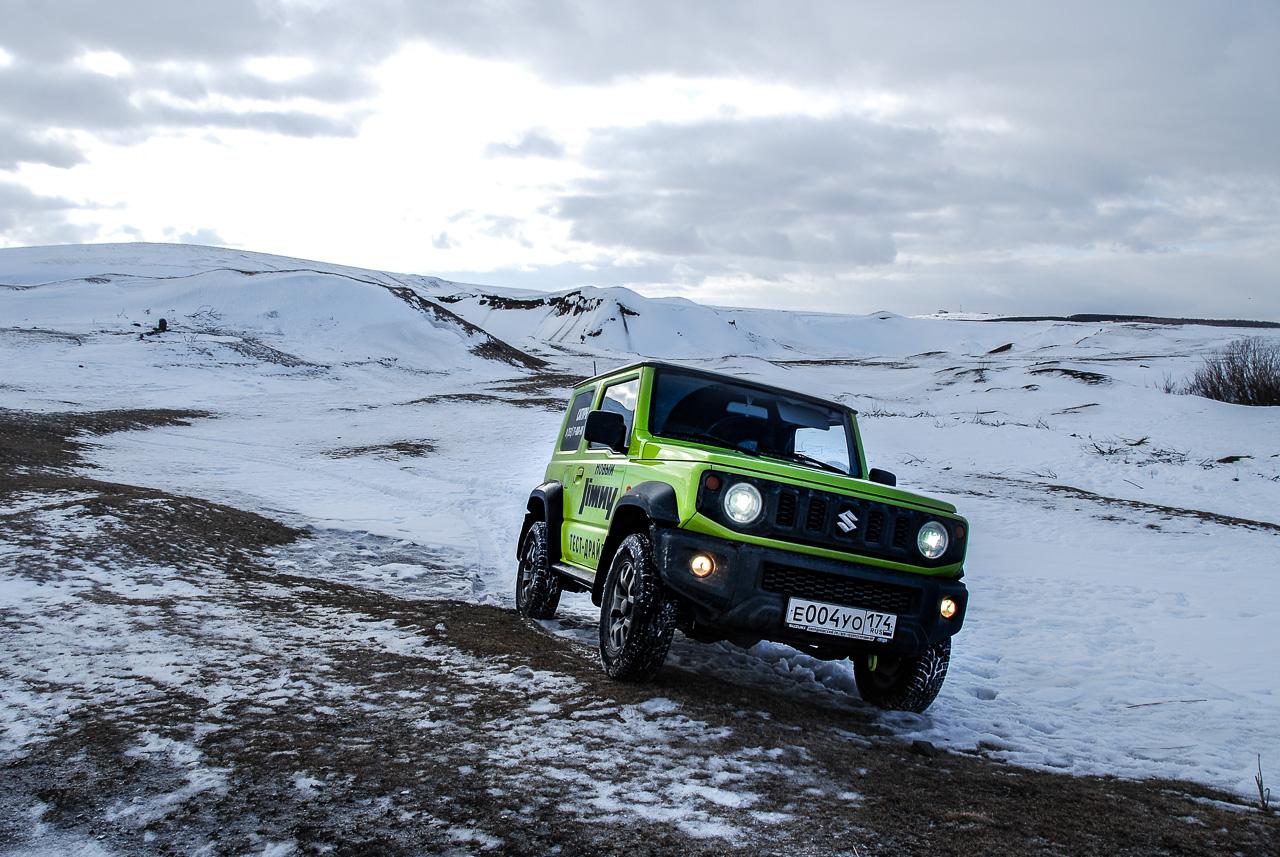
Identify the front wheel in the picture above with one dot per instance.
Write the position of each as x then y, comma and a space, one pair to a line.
537, 585
903, 682
637, 617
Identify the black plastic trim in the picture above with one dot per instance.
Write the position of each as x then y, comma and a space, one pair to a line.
583, 579
734, 602
550, 495
656, 499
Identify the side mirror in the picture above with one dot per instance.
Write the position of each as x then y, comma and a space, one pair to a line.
607, 429
884, 477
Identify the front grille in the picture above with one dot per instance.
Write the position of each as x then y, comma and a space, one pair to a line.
836, 589
786, 516
810, 516
817, 519
901, 533
875, 527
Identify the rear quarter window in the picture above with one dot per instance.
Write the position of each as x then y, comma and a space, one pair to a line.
578, 410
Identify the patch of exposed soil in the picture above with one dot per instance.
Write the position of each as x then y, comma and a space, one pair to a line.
1165, 511
41, 334
545, 402
1091, 318
543, 383
257, 350
848, 361
53, 441
1162, 511
397, 449
1081, 375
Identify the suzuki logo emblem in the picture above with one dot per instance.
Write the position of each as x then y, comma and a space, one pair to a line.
847, 521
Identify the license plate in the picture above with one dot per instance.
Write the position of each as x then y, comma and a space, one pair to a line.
840, 621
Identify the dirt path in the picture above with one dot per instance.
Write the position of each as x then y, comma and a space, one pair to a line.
167, 691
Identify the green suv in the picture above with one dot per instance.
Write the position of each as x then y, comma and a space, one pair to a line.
736, 511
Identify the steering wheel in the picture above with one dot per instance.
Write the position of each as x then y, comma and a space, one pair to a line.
724, 429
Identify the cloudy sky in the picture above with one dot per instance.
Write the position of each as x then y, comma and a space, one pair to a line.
1001, 157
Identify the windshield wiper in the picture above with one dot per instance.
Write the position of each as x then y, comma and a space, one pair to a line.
807, 459
756, 453
707, 438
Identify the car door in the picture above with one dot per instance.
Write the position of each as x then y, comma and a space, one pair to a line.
597, 479
568, 467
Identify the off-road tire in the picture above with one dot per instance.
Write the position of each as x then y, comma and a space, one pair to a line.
637, 615
903, 682
537, 585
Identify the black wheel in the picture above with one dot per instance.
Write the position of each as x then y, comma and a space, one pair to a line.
537, 586
637, 617
903, 682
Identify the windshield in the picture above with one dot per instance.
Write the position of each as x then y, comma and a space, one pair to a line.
751, 420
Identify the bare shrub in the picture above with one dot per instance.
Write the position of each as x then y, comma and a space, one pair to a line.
1245, 372
1264, 793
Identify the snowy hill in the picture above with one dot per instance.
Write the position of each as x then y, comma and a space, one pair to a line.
619, 320
1123, 537
259, 307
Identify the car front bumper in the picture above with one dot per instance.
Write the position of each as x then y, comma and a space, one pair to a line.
745, 597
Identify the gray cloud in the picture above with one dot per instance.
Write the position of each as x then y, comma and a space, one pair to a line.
30, 218
17, 145
1189, 84
333, 85
790, 190
204, 235
824, 198
186, 61
534, 143
1177, 79
495, 225
72, 98
1237, 284
144, 29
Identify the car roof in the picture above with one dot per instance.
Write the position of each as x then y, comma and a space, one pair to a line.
711, 376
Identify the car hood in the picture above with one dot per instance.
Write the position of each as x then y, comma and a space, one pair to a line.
796, 474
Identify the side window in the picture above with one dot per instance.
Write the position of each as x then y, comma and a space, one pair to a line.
578, 410
621, 399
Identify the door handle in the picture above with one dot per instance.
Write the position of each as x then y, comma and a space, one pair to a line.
577, 476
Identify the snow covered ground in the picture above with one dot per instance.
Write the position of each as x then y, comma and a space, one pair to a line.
1124, 539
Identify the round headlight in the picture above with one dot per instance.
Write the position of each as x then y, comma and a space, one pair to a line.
742, 503
932, 540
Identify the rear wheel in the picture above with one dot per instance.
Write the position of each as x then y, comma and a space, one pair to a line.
537, 585
903, 682
637, 617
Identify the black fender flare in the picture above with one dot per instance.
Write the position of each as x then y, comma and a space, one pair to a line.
656, 499
546, 503
647, 505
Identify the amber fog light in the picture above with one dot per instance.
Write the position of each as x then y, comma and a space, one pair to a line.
702, 565
948, 608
